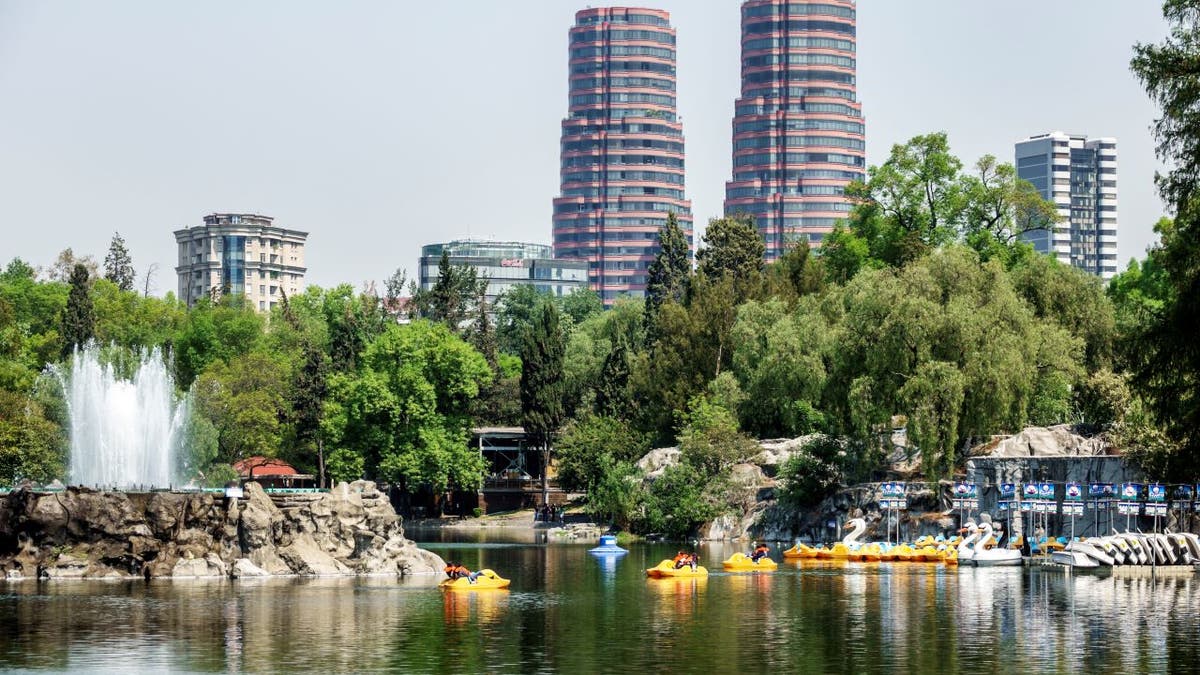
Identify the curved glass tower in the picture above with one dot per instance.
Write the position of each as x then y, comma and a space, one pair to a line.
798, 132
622, 148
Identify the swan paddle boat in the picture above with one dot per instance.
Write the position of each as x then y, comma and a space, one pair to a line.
740, 562
487, 580
994, 557
666, 570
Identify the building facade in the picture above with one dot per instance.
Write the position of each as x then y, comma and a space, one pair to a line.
1079, 175
240, 253
798, 132
622, 148
505, 264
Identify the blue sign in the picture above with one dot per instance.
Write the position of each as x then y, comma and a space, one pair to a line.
1100, 490
1008, 490
1131, 491
1157, 493
1183, 493
1074, 492
1046, 490
1031, 491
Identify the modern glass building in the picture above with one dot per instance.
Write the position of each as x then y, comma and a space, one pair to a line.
622, 148
1079, 175
505, 264
798, 130
241, 253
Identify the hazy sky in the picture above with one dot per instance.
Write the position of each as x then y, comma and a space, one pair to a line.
380, 126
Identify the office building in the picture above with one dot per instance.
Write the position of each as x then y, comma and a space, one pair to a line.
1079, 175
798, 130
240, 253
505, 264
622, 148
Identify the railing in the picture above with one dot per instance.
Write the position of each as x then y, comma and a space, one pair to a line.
517, 484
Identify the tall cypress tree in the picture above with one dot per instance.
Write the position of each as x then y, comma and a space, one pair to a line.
542, 387
79, 319
118, 266
612, 391
667, 276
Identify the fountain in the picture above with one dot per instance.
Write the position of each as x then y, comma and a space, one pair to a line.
123, 432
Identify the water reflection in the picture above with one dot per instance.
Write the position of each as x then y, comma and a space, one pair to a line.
570, 611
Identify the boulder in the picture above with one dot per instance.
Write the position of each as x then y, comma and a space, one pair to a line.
243, 568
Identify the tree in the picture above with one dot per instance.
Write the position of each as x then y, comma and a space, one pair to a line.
910, 204
452, 297
1000, 208
148, 279
581, 304
519, 306
1168, 356
31, 446
118, 266
613, 395
732, 246
542, 386
79, 319
668, 274
64, 266
934, 397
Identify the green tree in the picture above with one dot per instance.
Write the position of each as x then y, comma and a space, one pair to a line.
215, 333
796, 273
732, 246
518, 308
453, 296
542, 385
668, 274
581, 304
244, 400
614, 397
118, 266
588, 446
79, 319
1168, 356
1000, 208
31, 446
934, 397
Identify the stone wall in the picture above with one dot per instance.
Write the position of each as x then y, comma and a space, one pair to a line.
82, 533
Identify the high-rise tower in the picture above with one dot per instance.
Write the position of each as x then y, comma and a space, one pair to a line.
798, 132
1079, 175
622, 147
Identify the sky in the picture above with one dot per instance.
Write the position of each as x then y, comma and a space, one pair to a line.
381, 126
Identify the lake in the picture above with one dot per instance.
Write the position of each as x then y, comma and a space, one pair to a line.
568, 611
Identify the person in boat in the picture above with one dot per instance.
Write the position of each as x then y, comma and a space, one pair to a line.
692, 560
760, 552
680, 560
457, 571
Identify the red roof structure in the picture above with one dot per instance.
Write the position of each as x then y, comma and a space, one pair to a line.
261, 467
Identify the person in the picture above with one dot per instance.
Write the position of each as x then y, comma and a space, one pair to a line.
760, 552
456, 571
680, 560
692, 560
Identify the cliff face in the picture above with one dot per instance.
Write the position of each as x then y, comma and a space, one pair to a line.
81, 533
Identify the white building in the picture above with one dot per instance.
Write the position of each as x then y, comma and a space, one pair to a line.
1079, 175
242, 253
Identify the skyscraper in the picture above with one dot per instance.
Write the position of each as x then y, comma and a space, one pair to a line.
622, 147
798, 132
1079, 175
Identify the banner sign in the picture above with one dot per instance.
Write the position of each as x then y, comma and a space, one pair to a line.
1100, 494
966, 496
1008, 493
1130, 494
892, 496
1073, 501
1156, 493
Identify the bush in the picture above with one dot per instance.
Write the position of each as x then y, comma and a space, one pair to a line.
813, 473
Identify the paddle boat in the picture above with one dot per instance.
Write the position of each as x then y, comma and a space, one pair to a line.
485, 580
608, 546
994, 557
802, 551
740, 562
666, 570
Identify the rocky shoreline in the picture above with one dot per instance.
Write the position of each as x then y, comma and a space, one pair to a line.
81, 533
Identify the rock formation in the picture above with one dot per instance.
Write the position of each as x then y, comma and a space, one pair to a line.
82, 533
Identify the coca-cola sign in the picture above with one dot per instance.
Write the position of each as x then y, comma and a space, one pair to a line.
512, 262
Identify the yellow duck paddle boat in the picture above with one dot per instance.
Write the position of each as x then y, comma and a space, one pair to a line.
802, 551
666, 570
487, 580
740, 562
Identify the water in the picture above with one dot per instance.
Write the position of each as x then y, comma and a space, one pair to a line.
123, 432
567, 612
